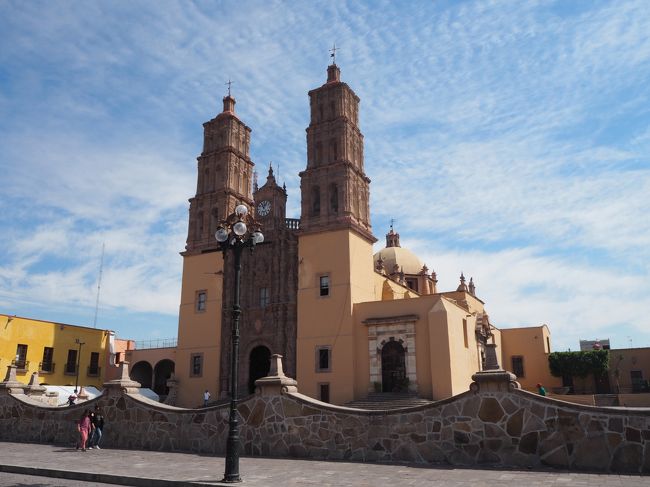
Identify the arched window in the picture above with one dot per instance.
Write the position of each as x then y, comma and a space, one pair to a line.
334, 198
199, 224
214, 220
206, 180
315, 201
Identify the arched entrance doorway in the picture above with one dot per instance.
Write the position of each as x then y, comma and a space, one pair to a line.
161, 372
258, 366
393, 368
142, 372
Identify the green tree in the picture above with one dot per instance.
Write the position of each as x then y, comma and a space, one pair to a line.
579, 364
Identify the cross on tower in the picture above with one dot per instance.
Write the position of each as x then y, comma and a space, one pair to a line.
229, 83
392, 221
333, 53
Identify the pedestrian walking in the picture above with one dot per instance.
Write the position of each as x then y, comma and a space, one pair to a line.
206, 398
541, 390
84, 426
71, 399
98, 424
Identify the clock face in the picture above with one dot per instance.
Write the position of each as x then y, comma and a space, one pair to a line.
264, 208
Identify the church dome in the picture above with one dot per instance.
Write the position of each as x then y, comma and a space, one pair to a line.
408, 262
393, 254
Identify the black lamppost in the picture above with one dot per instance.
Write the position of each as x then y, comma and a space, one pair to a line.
237, 232
76, 381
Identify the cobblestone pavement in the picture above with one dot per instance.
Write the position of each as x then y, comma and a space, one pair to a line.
159, 469
20, 480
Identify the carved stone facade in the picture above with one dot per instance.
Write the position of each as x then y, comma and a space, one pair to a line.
268, 294
382, 331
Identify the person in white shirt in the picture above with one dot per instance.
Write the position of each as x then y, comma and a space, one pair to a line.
206, 398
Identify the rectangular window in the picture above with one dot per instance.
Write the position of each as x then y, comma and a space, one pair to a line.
465, 337
548, 345
324, 282
518, 366
323, 359
201, 301
324, 392
196, 365
265, 299
118, 357
21, 357
71, 363
93, 368
636, 376
47, 365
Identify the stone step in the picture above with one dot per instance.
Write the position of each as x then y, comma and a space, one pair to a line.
388, 400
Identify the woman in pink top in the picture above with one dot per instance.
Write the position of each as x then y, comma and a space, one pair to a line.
84, 427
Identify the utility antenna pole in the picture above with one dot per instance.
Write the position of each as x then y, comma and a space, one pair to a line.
99, 286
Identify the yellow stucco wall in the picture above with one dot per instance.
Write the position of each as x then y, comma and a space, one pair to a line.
533, 344
37, 335
327, 321
199, 332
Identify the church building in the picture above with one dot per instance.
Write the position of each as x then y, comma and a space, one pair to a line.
347, 321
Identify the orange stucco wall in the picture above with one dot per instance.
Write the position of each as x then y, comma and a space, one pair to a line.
328, 321
532, 343
199, 332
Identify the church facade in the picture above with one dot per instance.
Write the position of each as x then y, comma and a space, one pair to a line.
347, 322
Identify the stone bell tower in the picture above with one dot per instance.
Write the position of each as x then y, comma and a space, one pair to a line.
334, 188
224, 179
335, 268
225, 173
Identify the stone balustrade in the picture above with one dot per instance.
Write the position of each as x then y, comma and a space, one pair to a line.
494, 424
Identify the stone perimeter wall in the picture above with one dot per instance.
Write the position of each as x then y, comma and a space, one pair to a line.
487, 425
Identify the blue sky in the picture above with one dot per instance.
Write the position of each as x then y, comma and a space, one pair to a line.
509, 140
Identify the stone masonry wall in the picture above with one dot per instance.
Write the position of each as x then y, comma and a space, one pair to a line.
487, 425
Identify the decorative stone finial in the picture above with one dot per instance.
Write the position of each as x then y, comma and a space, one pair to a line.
172, 395
462, 286
379, 265
11, 385
471, 287
276, 382
493, 378
124, 383
34, 388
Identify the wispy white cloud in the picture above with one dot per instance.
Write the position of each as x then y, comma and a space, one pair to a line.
518, 132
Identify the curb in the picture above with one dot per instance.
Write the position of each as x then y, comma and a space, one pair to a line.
105, 477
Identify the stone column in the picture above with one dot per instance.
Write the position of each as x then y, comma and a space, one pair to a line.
276, 382
11, 385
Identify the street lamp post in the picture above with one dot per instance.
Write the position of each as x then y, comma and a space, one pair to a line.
237, 232
76, 381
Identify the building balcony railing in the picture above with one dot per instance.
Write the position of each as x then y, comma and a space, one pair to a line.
46, 368
292, 223
70, 369
21, 365
93, 371
156, 343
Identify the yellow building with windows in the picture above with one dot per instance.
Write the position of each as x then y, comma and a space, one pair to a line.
62, 354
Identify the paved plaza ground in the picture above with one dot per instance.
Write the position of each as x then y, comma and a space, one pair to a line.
160, 469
